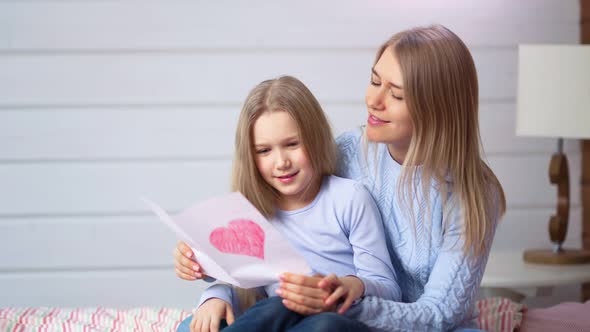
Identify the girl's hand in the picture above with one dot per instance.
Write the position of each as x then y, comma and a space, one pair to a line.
346, 290
304, 295
186, 266
209, 314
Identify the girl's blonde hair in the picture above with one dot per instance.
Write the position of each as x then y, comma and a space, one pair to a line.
441, 94
283, 94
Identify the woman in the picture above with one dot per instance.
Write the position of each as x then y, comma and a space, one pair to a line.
419, 156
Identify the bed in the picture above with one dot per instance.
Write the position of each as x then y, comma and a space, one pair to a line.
90, 319
496, 314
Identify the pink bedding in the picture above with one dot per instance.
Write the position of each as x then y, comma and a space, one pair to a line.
499, 314
569, 316
496, 314
90, 319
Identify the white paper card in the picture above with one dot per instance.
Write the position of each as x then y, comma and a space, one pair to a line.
233, 242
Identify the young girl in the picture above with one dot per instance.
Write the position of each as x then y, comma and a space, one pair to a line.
439, 201
285, 156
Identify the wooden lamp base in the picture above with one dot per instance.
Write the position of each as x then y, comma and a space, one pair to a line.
559, 175
563, 257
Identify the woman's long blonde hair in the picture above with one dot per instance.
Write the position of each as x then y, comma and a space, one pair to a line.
441, 94
283, 94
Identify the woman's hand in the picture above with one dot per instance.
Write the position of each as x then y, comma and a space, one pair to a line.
209, 315
311, 295
303, 294
346, 290
186, 267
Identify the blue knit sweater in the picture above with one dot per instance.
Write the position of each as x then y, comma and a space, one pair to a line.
439, 283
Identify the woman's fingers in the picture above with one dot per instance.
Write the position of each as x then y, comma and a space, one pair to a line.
310, 295
330, 282
336, 295
347, 303
342, 292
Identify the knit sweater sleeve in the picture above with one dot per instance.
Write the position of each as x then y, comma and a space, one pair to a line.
449, 295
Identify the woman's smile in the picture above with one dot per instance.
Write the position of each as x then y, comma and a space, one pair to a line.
375, 121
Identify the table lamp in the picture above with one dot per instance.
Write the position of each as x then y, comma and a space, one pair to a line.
553, 100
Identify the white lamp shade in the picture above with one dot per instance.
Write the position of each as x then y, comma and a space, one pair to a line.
553, 91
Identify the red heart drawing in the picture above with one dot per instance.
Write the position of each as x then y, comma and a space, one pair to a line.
242, 237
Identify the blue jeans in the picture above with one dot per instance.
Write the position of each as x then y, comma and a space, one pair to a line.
185, 325
271, 315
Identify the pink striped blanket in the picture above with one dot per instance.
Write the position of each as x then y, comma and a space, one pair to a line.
496, 314
499, 314
90, 319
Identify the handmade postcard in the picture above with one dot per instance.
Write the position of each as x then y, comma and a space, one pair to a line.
233, 242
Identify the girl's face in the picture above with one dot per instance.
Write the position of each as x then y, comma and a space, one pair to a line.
389, 119
282, 160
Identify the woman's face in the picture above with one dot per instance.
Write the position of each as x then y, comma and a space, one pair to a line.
388, 120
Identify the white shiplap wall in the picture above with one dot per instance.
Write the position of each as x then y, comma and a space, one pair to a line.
104, 101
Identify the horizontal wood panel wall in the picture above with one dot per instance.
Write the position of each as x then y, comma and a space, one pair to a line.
102, 102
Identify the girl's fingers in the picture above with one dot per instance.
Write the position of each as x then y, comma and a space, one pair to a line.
178, 254
184, 248
186, 259
299, 279
300, 309
184, 275
205, 324
190, 264
195, 324
187, 270
311, 302
181, 261
229, 315
304, 291
214, 327
187, 266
